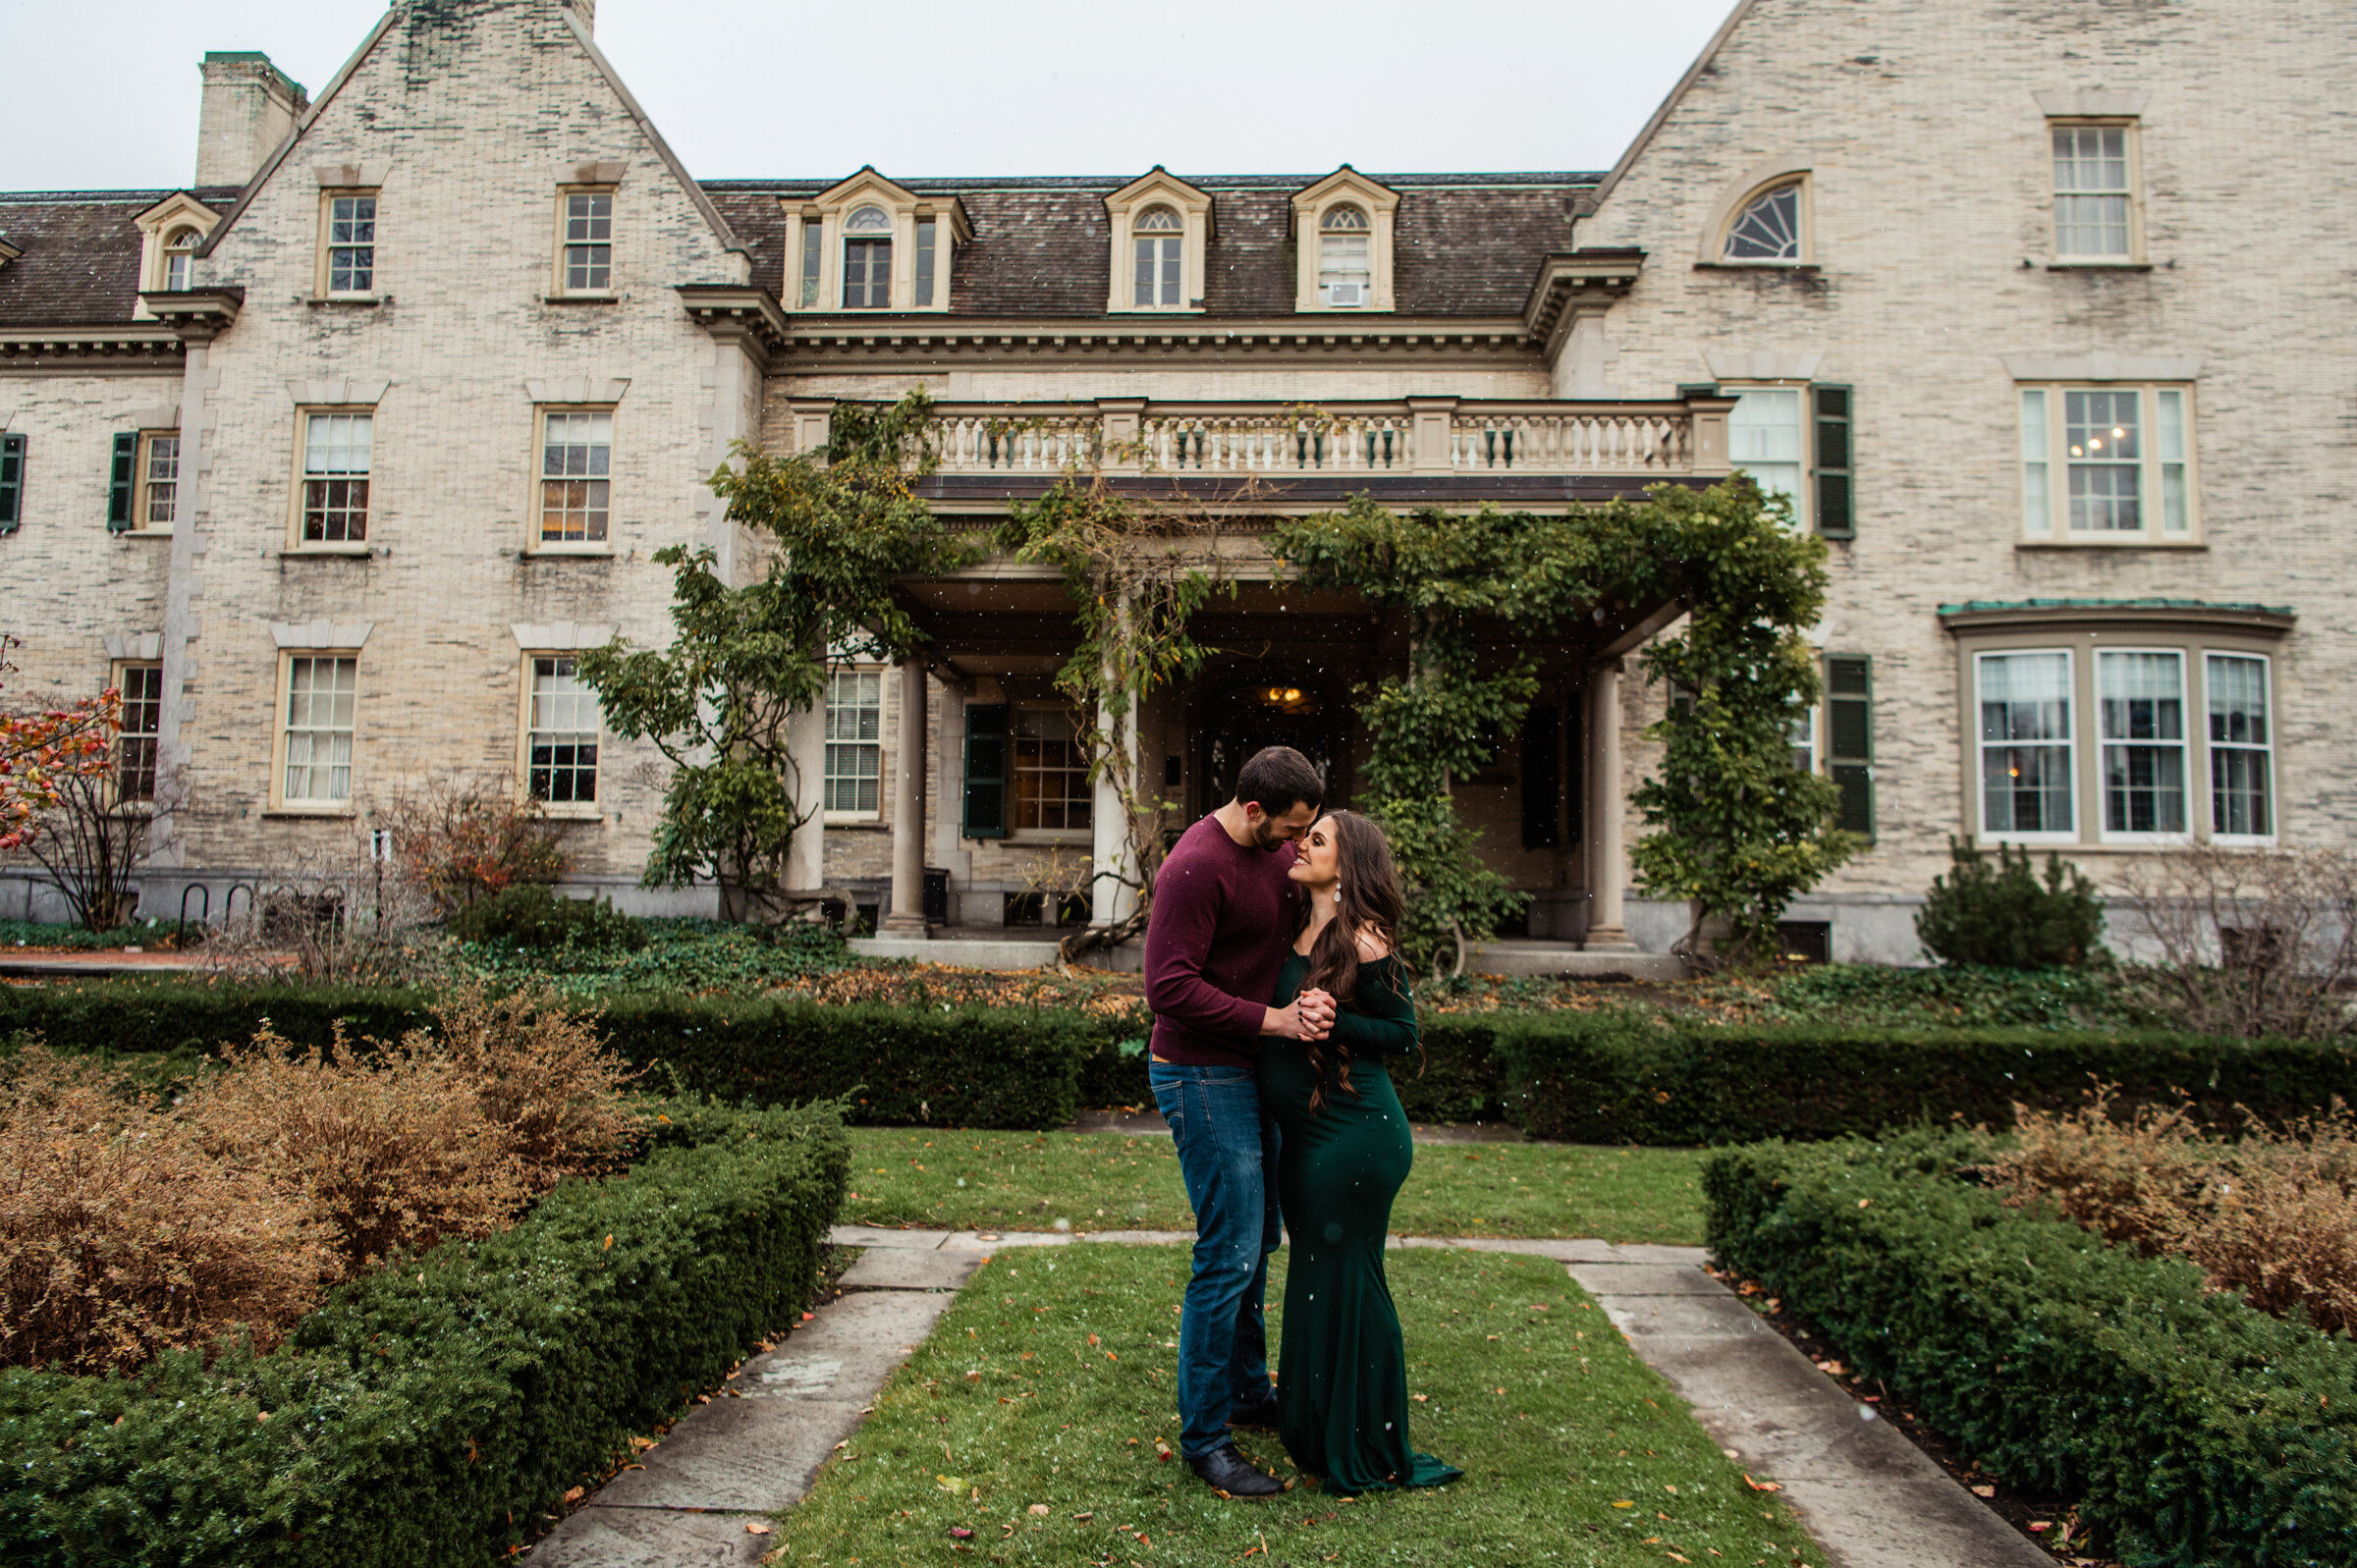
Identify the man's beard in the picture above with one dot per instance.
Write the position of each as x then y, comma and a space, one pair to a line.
1264, 835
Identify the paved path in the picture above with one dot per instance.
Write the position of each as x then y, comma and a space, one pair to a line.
1869, 1497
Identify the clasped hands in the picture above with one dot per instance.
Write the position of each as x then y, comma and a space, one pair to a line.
1308, 1016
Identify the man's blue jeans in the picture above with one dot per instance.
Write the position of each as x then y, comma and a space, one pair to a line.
1228, 1155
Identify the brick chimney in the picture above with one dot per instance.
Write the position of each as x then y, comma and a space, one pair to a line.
250, 106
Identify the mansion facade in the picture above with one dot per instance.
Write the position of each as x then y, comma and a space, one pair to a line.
336, 459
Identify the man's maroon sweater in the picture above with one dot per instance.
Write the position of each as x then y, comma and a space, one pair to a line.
1223, 919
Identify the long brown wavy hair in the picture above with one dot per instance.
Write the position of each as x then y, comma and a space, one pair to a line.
1370, 902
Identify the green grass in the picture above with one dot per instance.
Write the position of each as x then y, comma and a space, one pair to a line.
1110, 1181
1050, 1379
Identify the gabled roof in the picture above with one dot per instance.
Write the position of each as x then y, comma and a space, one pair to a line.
80, 261
1694, 73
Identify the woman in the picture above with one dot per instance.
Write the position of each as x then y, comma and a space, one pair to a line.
1341, 1376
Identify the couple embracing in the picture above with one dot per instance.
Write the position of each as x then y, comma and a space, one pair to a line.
1277, 1004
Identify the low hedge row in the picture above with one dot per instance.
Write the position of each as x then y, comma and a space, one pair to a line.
434, 1410
2193, 1429
1586, 1077
973, 1067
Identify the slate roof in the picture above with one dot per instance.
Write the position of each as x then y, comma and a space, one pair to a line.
81, 265
1462, 244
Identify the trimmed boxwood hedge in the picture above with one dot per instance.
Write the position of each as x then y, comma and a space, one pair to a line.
1585, 1077
1014, 1067
2193, 1429
432, 1411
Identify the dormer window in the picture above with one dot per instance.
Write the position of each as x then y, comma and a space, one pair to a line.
1346, 258
868, 260
180, 255
1160, 225
1342, 244
871, 245
1159, 233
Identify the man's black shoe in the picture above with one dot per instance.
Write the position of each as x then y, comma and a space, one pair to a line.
1262, 1416
1224, 1471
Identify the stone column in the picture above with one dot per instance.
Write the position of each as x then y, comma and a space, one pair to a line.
1111, 900
1608, 871
806, 746
907, 915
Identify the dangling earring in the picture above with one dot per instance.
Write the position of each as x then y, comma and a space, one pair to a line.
1338, 895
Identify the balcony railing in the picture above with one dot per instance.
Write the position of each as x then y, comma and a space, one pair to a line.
1430, 436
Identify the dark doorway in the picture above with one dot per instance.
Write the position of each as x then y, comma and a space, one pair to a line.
1276, 709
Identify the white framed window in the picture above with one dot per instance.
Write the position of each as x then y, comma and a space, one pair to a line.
854, 784
586, 256
143, 689
336, 453
1768, 227
1767, 438
2094, 192
2140, 715
348, 260
2242, 802
2026, 778
1800, 731
158, 481
868, 260
2108, 465
576, 458
1052, 792
562, 728
179, 257
1160, 270
315, 731
815, 252
1346, 258
928, 251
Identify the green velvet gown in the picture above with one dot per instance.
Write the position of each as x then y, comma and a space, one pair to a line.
1342, 1369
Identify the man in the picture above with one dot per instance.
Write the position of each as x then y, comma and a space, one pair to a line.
1225, 913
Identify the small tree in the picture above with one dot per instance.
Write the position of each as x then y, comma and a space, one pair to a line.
59, 801
2002, 917
842, 523
460, 841
2250, 942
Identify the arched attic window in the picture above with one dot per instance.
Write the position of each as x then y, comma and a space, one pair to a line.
1768, 228
180, 253
1160, 238
1346, 256
868, 260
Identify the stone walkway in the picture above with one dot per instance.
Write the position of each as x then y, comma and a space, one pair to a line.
1868, 1496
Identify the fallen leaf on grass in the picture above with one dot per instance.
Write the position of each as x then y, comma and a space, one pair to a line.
1421, 1398
1761, 1486
1624, 1502
960, 1533
574, 1494
643, 1444
1037, 1510
756, 1529
1084, 1518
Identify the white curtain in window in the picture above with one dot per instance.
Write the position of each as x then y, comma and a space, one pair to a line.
1764, 438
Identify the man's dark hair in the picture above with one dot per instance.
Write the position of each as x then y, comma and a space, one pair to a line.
1277, 780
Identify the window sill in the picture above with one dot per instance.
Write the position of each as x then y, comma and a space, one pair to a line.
324, 548
568, 552
2095, 264
142, 534
1044, 838
583, 299
2131, 542
1156, 310
584, 812
854, 819
363, 300
342, 810
1757, 266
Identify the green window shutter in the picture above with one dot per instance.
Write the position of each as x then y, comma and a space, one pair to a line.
1542, 779
1836, 502
120, 483
1849, 737
986, 769
12, 482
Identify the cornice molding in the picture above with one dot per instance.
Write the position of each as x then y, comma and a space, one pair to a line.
1571, 282
199, 315
744, 312
150, 346
1988, 614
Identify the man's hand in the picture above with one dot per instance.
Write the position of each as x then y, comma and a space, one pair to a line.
1306, 1018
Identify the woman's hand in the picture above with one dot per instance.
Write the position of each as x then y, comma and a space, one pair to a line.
1308, 1016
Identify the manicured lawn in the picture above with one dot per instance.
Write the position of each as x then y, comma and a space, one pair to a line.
1048, 1383
1109, 1181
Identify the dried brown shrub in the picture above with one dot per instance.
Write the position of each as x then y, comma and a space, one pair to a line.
2272, 1212
2250, 942
543, 1077
121, 1237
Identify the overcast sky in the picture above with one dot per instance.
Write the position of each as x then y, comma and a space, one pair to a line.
103, 93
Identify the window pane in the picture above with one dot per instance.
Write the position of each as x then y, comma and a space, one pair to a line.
143, 716
2106, 461
318, 734
335, 484
2025, 743
2242, 762
1345, 270
866, 274
1157, 219
561, 736
855, 754
2141, 703
1769, 228
575, 457
868, 220
925, 231
2091, 190
161, 476
1052, 792
2037, 496
1764, 438
352, 245
811, 256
